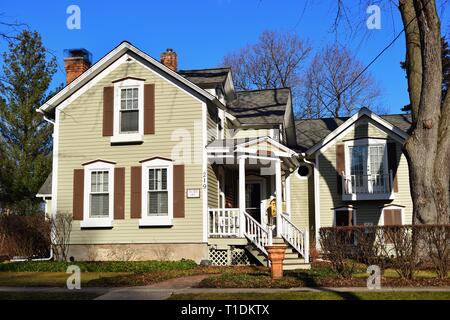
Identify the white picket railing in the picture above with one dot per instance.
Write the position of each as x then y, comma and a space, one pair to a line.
257, 234
367, 183
224, 222
297, 238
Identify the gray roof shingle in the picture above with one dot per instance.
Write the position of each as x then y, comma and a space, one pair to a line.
260, 106
312, 131
205, 76
46, 188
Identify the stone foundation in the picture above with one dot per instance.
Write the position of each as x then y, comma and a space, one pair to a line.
139, 252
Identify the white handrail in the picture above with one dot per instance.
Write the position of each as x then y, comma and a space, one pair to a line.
256, 233
224, 222
297, 238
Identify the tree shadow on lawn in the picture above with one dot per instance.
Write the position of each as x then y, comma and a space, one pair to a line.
312, 281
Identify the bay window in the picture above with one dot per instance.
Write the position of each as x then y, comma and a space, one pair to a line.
366, 171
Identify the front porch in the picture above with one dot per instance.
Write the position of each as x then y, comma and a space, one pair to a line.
253, 203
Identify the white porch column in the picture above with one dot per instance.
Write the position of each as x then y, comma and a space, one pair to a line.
278, 193
241, 195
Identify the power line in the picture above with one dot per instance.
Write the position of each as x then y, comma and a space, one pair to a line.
376, 57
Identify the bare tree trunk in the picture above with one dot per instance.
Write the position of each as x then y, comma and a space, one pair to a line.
427, 149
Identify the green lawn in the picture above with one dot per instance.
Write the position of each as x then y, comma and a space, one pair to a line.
316, 296
51, 279
48, 295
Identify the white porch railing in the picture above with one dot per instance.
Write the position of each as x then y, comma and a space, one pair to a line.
367, 184
256, 233
224, 222
298, 239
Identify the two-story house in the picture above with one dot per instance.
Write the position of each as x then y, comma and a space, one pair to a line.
172, 164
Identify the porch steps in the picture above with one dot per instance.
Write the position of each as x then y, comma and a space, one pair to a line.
292, 259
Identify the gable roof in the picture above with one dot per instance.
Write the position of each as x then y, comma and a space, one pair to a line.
123, 48
260, 106
46, 188
311, 132
206, 76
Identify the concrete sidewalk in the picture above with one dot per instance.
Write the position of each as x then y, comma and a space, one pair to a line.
152, 293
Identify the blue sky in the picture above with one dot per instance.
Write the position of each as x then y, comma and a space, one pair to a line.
202, 31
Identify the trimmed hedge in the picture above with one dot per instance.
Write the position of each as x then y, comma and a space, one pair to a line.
405, 248
101, 266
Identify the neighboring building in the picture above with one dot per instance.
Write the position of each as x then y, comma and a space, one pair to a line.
155, 162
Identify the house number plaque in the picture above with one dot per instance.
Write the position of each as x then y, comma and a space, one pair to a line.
193, 193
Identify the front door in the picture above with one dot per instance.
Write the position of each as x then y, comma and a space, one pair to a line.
253, 200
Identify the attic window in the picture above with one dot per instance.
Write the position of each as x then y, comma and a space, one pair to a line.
129, 110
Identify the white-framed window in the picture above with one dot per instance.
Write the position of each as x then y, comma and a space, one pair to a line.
98, 197
366, 172
157, 193
344, 217
128, 111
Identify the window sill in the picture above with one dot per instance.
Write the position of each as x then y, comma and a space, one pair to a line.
127, 138
155, 222
96, 223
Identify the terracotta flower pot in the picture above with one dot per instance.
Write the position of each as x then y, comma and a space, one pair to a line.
276, 257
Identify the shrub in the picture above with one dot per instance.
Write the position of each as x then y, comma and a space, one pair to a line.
61, 226
436, 243
25, 236
337, 245
104, 266
404, 248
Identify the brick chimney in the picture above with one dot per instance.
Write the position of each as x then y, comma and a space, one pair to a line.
76, 61
169, 59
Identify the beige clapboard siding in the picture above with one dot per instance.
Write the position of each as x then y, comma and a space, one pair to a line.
227, 127
212, 118
213, 193
367, 211
177, 127
300, 201
251, 133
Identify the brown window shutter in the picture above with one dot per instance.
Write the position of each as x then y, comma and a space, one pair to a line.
178, 191
397, 216
392, 163
108, 111
149, 109
135, 192
78, 194
340, 166
119, 193
388, 217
